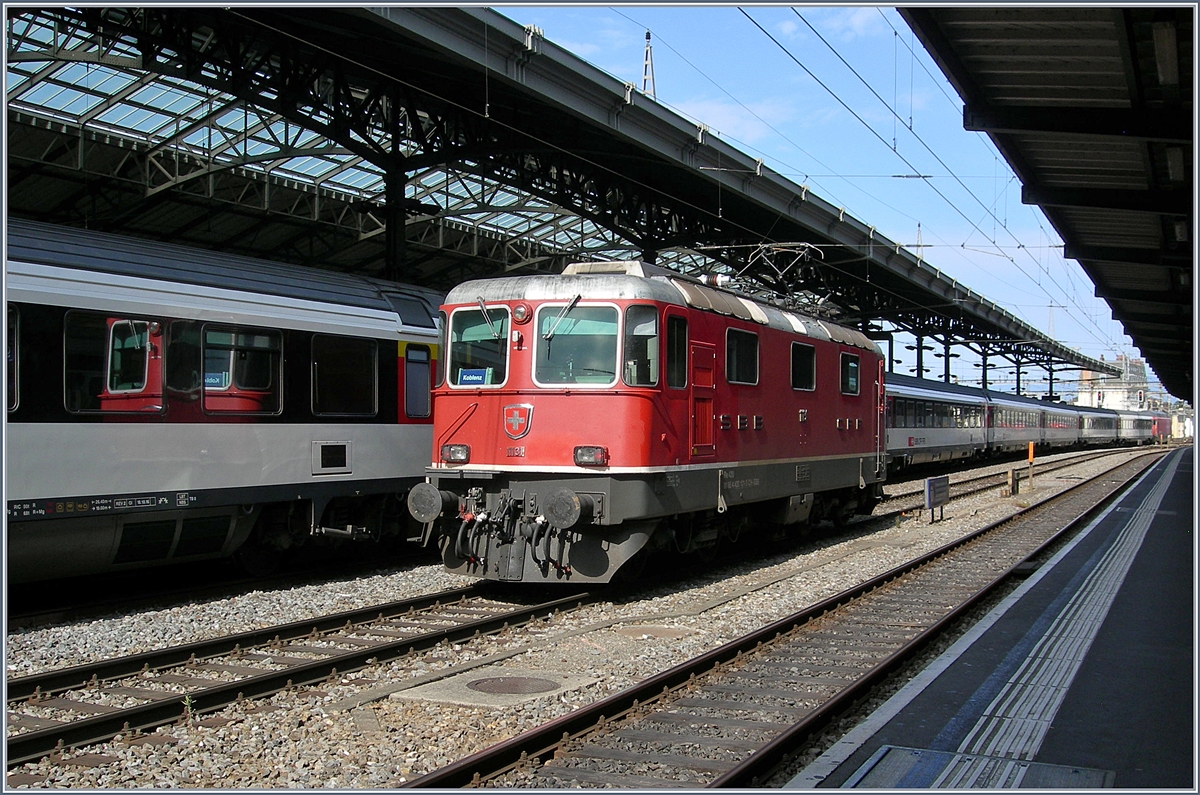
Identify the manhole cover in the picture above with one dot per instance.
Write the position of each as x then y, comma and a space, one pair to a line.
513, 685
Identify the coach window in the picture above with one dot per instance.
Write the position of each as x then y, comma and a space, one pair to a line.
417, 380
241, 370
677, 351
478, 347
183, 359
344, 375
11, 346
576, 345
804, 367
741, 357
849, 374
86, 360
412, 310
641, 346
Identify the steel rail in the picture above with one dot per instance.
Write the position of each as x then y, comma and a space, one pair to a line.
762, 762
544, 739
1044, 469
80, 675
35, 744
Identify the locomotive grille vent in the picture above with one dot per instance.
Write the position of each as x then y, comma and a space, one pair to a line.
803, 473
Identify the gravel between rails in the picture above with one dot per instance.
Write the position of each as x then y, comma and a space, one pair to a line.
363, 731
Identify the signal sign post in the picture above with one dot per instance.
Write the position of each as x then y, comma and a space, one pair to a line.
1031, 465
937, 494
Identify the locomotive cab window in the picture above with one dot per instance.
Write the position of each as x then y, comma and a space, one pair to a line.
128, 356
575, 345
14, 324
641, 346
849, 374
677, 351
741, 357
478, 347
804, 367
439, 374
344, 375
241, 370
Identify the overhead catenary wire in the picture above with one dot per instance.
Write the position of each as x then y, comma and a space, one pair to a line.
552, 146
981, 137
929, 149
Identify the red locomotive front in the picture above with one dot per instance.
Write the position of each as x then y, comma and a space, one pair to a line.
582, 418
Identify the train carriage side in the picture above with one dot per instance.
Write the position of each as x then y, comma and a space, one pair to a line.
167, 404
1060, 425
586, 416
1013, 422
1098, 426
931, 421
1135, 427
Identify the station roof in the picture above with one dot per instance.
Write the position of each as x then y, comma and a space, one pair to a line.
301, 134
1093, 110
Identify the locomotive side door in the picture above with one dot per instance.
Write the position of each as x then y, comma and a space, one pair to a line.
703, 356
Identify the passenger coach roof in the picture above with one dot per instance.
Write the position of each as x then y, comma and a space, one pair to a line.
924, 384
1004, 397
48, 244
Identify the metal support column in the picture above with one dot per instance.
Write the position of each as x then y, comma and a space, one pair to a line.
394, 231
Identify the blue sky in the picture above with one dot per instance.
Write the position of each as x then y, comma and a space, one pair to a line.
847, 101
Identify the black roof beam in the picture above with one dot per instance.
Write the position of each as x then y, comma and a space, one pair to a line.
1160, 202
1175, 297
1174, 316
1145, 124
1132, 256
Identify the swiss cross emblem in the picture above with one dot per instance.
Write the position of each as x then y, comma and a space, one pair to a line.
517, 419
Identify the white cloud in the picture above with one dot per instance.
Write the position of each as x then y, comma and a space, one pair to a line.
852, 23
788, 28
729, 120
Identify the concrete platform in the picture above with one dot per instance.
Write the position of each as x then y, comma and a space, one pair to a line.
1084, 677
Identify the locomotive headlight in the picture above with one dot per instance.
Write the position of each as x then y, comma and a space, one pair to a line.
456, 453
591, 456
521, 313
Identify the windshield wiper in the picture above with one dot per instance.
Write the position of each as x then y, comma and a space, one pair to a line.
560, 317
488, 320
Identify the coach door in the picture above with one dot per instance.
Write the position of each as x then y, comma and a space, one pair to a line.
880, 421
703, 357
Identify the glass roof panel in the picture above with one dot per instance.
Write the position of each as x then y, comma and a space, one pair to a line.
213, 125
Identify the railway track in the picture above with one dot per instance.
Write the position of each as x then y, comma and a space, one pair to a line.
910, 500
92, 703
728, 717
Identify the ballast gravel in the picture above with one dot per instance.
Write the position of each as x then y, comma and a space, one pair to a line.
366, 730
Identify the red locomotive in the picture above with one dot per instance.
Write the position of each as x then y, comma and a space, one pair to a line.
582, 418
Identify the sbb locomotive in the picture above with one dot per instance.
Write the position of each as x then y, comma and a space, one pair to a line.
168, 405
585, 417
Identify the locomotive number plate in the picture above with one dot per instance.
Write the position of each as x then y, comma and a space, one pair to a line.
514, 452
